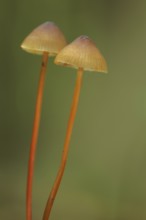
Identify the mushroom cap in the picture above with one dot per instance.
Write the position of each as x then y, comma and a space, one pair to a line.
45, 38
82, 53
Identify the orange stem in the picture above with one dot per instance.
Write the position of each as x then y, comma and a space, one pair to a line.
35, 137
66, 146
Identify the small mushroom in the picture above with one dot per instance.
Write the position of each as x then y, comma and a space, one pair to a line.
81, 54
46, 40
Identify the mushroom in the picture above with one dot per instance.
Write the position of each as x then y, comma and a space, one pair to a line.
46, 40
81, 54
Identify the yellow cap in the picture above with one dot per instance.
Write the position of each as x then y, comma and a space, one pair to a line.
82, 53
45, 38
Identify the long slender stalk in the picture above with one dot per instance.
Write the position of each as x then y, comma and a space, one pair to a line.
66, 145
35, 137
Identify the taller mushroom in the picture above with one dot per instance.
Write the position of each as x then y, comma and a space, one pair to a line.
46, 40
82, 54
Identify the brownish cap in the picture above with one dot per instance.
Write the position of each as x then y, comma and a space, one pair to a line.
82, 53
45, 38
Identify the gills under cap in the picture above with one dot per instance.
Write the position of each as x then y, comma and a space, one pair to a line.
82, 53
45, 38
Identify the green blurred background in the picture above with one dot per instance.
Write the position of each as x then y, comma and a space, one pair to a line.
105, 177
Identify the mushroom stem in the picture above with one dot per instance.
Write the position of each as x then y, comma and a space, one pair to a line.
66, 145
35, 137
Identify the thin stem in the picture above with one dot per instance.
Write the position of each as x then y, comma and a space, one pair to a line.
66, 146
35, 137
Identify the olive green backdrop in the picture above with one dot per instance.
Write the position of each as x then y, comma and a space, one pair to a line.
105, 177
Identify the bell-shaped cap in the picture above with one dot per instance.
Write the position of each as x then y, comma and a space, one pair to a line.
45, 38
82, 53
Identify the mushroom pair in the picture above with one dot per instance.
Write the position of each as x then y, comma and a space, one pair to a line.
81, 54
